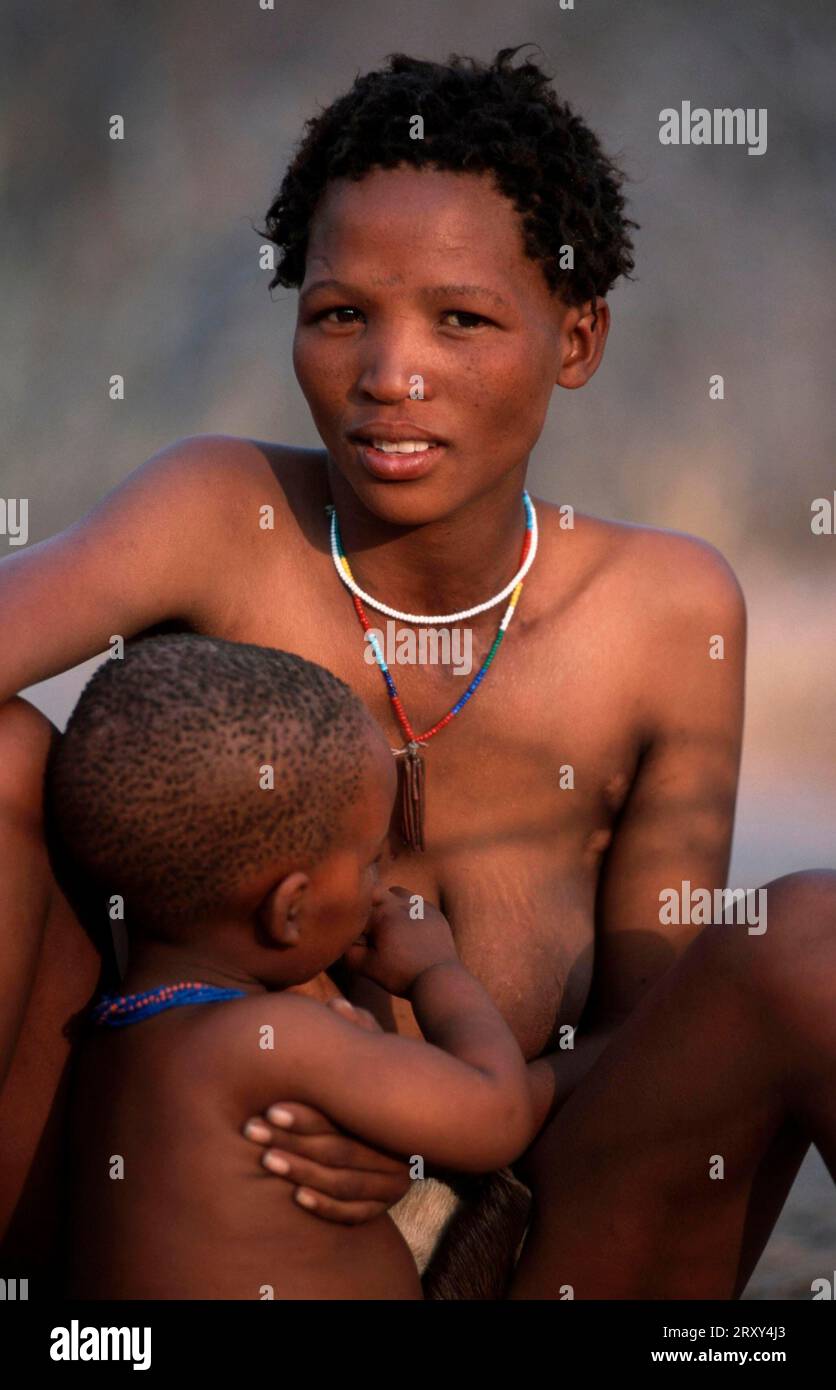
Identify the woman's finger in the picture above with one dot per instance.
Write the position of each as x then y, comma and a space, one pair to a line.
292, 1116
343, 1184
341, 1213
333, 1150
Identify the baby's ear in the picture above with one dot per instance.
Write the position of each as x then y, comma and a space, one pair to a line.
280, 910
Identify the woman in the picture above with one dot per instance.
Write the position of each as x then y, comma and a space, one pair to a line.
453, 230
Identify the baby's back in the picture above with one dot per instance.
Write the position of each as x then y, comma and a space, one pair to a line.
170, 1200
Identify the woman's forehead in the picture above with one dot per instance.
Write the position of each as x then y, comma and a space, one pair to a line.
450, 229
431, 198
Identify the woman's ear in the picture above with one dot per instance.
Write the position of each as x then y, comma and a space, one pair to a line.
280, 910
584, 332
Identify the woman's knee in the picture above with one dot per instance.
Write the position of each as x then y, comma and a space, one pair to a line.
792, 965
801, 913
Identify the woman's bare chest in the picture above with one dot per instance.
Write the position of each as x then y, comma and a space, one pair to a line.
522, 789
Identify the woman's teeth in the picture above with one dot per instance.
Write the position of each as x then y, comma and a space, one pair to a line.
403, 446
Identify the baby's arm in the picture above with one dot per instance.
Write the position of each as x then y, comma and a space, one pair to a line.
461, 1100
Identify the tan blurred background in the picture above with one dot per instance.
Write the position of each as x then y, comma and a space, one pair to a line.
139, 257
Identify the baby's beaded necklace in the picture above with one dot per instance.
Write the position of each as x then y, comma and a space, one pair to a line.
119, 1010
412, 765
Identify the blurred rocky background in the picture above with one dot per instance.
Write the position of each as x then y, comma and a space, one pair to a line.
139, 257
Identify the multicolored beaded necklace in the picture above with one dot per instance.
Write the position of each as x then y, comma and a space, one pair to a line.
412, 786
118, 1010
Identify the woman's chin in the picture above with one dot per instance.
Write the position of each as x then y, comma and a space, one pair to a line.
400, 499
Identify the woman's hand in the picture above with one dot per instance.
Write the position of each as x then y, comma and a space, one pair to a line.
336, 1177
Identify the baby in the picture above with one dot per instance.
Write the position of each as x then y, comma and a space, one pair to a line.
231, 802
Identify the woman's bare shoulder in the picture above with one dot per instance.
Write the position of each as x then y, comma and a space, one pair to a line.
656, 564
684, 565
234, 462
235, 489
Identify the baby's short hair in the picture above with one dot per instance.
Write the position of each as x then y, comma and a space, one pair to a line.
159, 790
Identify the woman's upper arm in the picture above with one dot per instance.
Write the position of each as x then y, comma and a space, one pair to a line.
137, 558
677, 822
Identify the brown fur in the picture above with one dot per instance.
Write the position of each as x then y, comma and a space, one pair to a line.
465, 1232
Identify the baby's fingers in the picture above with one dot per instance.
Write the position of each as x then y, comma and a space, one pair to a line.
361, 1017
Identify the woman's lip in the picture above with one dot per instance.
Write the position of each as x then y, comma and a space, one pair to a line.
397, 467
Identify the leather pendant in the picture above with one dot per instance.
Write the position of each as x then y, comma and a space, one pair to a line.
411, 774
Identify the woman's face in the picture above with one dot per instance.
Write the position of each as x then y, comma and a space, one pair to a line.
420, 308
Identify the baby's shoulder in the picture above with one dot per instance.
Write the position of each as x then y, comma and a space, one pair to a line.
252, 1045
265, 1023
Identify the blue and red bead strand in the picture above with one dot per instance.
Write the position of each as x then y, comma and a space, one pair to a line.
119, 1010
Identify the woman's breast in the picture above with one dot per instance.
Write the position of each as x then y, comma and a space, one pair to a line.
525, 929
522, 921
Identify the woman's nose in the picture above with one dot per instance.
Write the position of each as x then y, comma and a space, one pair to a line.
393, 367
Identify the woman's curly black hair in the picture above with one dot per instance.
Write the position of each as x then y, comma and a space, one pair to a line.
477, 117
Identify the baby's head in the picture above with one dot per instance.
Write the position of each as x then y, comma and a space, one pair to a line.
236, 798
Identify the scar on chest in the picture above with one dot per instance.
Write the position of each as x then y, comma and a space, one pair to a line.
613, 793
597, 841
615, 789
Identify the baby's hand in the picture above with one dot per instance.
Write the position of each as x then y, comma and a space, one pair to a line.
396, 947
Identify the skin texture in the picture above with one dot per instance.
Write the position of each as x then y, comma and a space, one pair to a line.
552, 893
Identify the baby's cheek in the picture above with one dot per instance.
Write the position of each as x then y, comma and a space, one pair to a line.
366, 898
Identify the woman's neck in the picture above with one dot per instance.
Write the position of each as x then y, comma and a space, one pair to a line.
439, 567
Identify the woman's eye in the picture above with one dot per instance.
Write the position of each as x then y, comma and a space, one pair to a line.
340, 309
466, 320
475, 319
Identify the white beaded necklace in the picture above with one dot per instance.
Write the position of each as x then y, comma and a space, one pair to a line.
433, 619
